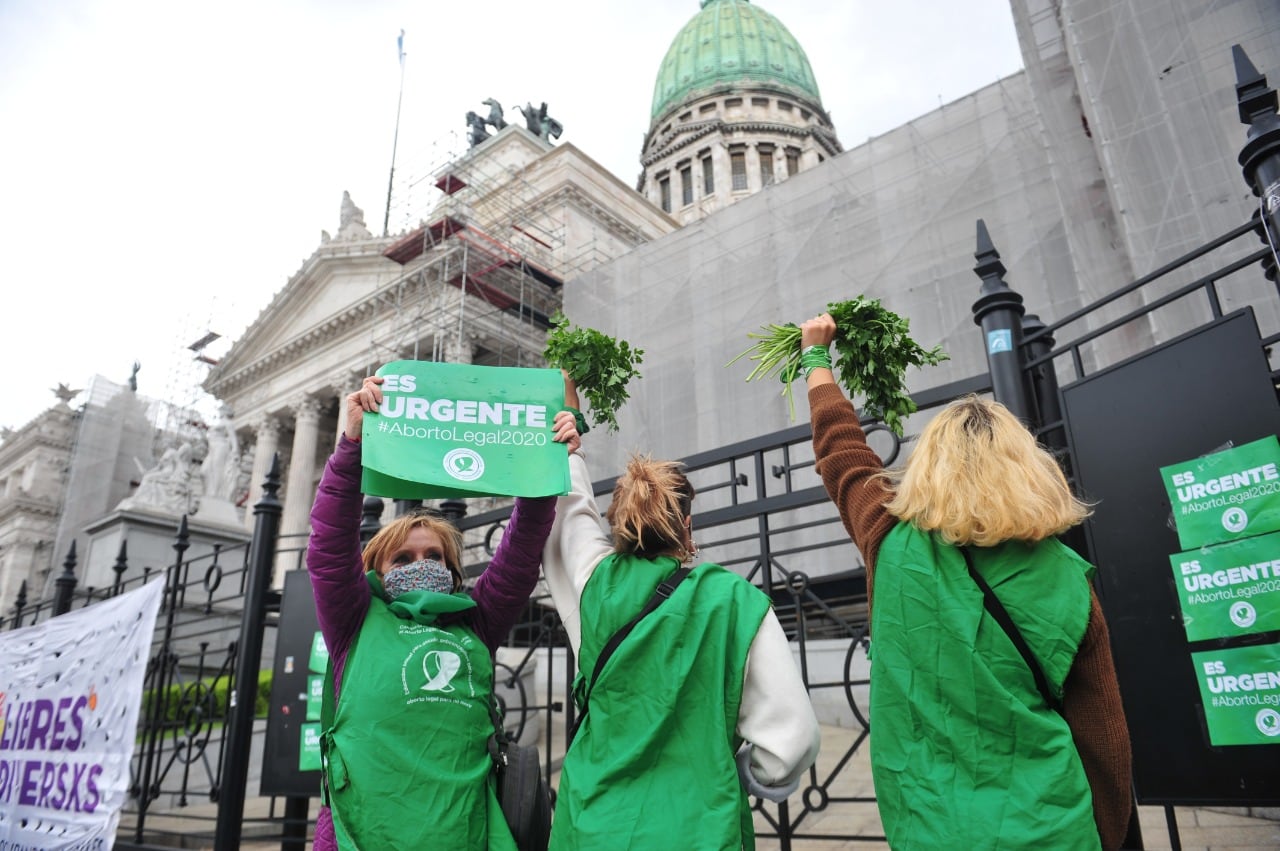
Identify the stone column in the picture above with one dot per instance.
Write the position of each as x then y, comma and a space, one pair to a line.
267, 429
299, 492
753, 170
342, 387
453, 351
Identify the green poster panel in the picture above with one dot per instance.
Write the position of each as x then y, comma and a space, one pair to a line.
315, 694
319, 658
1227, 495
309, 747
1229, 589
447, 430
1240, 689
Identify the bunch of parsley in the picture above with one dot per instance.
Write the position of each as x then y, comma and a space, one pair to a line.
872, 353
600, 365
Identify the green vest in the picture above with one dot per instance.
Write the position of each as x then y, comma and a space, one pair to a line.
406, 756
652, 767
964, 753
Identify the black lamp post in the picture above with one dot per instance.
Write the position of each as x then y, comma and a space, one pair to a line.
1260, 157
999, 311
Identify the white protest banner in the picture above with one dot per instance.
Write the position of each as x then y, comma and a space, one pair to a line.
70, 689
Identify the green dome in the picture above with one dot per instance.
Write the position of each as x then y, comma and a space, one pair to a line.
732, 44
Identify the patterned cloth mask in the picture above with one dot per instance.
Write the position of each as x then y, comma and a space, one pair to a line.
425, 575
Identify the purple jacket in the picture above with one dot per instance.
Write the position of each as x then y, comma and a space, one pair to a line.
342, 593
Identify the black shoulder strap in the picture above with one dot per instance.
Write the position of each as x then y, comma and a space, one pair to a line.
997, 611
664, 590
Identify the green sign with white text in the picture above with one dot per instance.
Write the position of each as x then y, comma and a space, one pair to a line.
309, 747
1227, 495
315, 696
455, 430
1241, 693
1229, 589
319, 659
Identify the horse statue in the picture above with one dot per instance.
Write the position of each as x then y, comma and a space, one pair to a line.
495, 119
539, 123
533, 117
475, 128
551, 129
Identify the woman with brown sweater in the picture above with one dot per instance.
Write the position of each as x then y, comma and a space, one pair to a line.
967, 751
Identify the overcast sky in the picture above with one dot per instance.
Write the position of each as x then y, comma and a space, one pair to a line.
166, 166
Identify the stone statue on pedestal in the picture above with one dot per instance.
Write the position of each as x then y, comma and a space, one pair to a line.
221, 466
171, 487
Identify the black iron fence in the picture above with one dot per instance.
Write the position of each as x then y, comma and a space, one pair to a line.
761, 511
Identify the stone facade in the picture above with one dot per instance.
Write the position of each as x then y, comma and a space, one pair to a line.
34, 461
476, 283
735, 109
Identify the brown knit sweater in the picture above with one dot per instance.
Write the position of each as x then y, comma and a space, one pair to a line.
1091, 697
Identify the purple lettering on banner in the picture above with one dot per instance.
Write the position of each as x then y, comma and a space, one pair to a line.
9, 728
43, 714
7, 769
46, 782
60, 794
77, 774
92, 799
59, 724
27, 793
21, 724
77, 722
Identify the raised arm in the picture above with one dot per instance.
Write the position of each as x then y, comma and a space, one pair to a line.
505, 585
577, 542
333, 550
847, 465
776, 718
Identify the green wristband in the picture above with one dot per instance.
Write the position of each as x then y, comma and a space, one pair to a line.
814, 357
583, 428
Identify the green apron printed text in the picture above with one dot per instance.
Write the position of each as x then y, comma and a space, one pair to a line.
406, 758
455, 430
1227, 495
1229, 589
1241, 693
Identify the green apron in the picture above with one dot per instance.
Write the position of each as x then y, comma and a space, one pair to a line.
405, 751
652, 766
964, 753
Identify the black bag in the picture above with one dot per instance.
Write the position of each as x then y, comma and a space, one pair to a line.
522, 790
664, 590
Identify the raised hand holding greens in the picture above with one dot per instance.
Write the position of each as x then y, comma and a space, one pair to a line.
600, 365
872, 350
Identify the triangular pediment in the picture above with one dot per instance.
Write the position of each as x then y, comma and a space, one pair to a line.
337, 276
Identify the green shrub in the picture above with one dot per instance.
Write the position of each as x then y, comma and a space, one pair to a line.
208, 695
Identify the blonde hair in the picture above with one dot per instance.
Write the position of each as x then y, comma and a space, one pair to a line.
977, 476
392, 537
651, 499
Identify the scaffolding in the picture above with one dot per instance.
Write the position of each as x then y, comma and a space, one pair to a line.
485, 253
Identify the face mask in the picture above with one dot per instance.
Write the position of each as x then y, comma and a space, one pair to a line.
426, 575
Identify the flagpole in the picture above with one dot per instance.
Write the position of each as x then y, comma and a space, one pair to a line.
391, 178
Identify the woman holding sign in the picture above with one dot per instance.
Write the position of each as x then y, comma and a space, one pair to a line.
699, 700
411, 658
976, 744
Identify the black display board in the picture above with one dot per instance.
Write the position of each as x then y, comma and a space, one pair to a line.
1182, 400
294, 714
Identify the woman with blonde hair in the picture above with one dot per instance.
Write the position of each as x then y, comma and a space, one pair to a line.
404, 747
975, 745
700, 704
